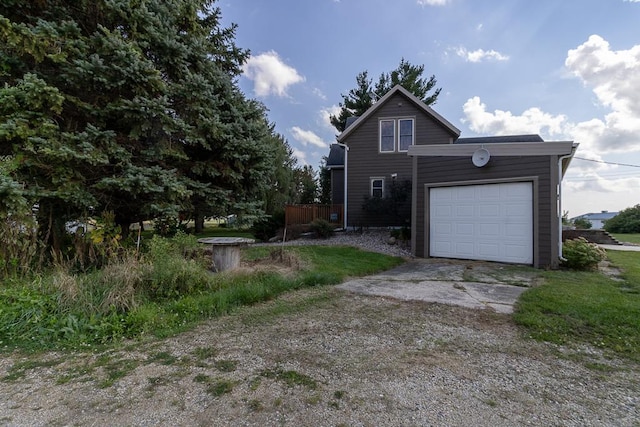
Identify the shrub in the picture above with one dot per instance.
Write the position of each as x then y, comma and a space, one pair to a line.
580, 254
583, 223
627, 221
168, 225
403, 234
268, 227
322, 228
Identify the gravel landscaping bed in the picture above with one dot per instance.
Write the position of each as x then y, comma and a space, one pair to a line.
325, 357
373, 240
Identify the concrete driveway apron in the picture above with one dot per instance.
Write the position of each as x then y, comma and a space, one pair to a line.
471, 284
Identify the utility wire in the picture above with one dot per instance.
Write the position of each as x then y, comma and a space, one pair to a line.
609, 163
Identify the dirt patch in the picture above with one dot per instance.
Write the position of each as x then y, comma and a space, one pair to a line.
283, 262
610, 270
325, 357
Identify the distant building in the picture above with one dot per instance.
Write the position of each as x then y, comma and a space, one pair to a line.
597, 220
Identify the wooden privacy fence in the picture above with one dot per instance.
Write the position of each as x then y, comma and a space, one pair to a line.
305, 214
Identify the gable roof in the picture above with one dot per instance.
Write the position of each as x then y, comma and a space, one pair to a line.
411, 97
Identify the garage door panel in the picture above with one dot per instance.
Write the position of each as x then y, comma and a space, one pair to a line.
519, 210
488, 192
442, 230
464, 230
489, 250
491, 222
441, 246
517, 190
464, 248
442, 211
463, 193
516, 231
465, 210
488, 230
515, 253
489, 211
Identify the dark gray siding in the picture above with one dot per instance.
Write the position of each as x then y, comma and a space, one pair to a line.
432, 170
337, 186
365, 161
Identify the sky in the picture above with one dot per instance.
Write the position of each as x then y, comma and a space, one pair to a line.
563, 69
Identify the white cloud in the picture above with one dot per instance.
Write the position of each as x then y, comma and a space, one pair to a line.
433, 2
325, 116
549, 126
614, 77
501, 122
479, 55
306, 137
270, 75
317, 92
301, 156
597, 184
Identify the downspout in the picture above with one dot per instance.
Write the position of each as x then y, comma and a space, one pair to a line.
560, 159
346, 152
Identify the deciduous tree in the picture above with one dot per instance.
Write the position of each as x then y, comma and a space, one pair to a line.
627, 221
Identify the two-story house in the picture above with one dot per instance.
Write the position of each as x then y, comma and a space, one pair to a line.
489, 198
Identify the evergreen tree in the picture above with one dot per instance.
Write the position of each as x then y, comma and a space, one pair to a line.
129, 107
324, 183
306, 186
360, 99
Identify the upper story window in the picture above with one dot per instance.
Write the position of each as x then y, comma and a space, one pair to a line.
405, 134
387, 135
396, 135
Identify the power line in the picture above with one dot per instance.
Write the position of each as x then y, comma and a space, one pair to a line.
608, 163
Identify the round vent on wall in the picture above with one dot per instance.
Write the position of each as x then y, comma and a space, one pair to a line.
480, 157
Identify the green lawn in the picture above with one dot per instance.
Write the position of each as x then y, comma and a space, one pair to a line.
631, 238
587, 307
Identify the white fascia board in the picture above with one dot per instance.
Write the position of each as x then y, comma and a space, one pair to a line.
495, 149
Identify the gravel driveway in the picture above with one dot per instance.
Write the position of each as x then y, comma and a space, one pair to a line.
327, 357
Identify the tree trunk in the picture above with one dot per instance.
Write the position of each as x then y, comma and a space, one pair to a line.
124, 223
50, 231
198, 219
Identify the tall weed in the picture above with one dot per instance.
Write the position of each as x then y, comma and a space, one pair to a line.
171, 274
19, 245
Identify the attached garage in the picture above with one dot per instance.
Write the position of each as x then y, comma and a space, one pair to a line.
491, 222
505, 208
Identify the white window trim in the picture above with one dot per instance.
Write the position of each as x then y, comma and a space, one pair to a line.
396, 133
376, 178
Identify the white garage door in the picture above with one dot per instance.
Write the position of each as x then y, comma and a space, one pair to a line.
492, 222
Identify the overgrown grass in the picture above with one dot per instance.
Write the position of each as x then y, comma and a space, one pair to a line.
587, 307
166, 291
631, 238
